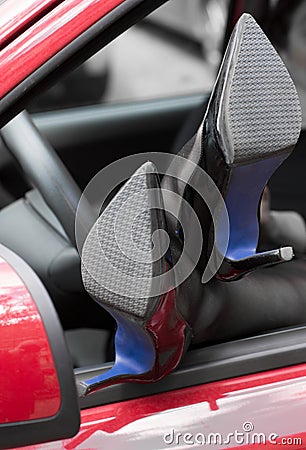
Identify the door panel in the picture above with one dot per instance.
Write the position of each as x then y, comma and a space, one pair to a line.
89, 138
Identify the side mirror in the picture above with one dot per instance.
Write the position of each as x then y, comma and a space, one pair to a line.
38, 399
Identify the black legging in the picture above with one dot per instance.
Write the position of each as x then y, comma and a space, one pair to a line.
288, 184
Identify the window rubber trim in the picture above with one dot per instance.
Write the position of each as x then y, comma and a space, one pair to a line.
215, 363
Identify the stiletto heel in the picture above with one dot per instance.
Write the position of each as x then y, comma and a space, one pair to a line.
251, 125
132, 281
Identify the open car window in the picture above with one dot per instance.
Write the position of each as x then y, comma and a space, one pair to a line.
174, 51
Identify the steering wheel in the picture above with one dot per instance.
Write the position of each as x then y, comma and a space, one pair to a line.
45, 170
29, 231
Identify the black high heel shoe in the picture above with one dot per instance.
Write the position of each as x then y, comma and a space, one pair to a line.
239, 151
251, 126
134, 283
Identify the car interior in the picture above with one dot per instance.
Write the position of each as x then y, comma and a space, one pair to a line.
86, 138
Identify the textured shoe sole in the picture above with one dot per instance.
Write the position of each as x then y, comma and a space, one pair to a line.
261, 113
114, 260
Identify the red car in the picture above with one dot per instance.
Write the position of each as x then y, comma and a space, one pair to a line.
242, 384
